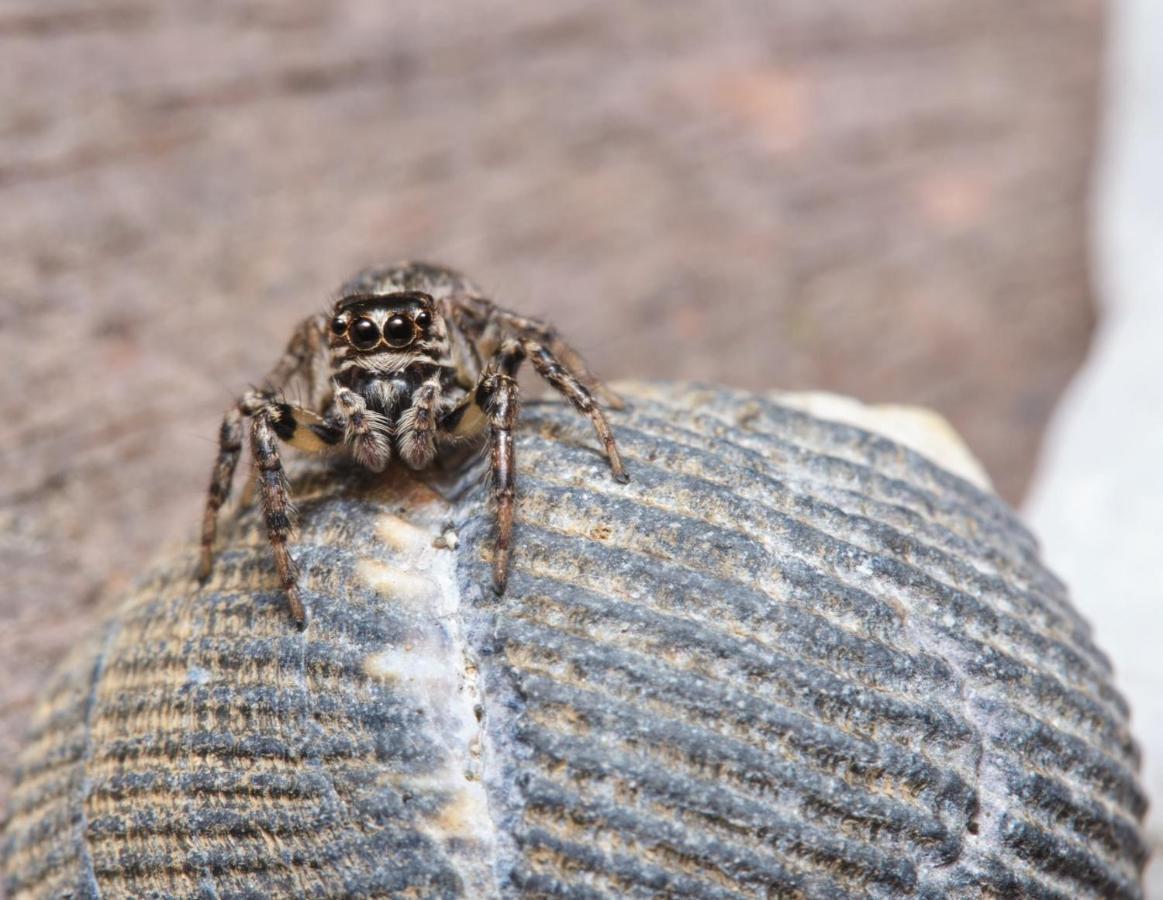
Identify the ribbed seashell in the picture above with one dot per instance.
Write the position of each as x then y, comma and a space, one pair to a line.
790, 658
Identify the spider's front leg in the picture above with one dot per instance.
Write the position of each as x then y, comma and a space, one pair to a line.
494, 404
304, 430
274, 494
502, 409
270, 422
297, 359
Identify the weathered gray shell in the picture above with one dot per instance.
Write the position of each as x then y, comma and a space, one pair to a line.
791, 658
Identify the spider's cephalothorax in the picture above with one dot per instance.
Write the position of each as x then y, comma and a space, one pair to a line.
412, 359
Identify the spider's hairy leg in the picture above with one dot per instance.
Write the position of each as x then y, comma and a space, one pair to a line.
568, 385
365, 431
470, 416
493, 403
307, 343
298, 358
298, 427
547, 334
503, 404
274, 495
221, 479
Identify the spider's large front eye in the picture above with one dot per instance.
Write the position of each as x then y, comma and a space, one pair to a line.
364, 334
398, 331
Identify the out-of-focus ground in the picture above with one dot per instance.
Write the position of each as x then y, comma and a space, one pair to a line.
886, 200
1097, 503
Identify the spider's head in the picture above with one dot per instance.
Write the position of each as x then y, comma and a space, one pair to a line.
378, 323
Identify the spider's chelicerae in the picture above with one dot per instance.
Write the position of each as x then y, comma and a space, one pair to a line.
411, 360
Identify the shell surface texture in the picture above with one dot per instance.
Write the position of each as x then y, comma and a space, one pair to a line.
791, 658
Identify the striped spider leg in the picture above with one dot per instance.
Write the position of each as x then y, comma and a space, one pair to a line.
494, 404
270, 419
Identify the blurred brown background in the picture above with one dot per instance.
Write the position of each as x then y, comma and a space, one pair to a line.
884, 199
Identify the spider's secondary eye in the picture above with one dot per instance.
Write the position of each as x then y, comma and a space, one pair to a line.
339, 325
424, 318
364, 334
398, 331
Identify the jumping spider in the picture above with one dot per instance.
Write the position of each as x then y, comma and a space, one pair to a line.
411, 361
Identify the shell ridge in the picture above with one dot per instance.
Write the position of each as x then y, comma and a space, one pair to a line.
88, 873
774, 663
923, 581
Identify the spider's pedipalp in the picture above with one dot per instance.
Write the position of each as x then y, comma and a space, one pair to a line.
417, 426
365, 430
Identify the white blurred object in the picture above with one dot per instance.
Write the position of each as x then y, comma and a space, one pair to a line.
1097, 499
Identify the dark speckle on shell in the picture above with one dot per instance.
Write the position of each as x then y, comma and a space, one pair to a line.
791, 658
